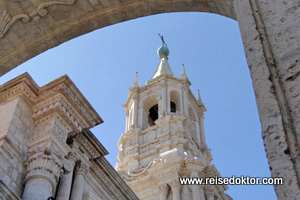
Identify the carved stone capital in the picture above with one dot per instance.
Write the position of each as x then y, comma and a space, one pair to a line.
69, 163
164, 189
44, 164
209, 191
81, 168
175, 185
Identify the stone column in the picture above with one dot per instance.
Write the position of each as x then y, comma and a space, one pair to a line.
135, 110
127, 121
141, 116
37, 188
163, 99
77, 188
202, 131
64, 188
185, 104
198, 192
163, 192
175, 187
271, 42
43, 170
209, 193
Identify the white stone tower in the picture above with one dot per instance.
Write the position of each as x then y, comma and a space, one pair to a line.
164, 139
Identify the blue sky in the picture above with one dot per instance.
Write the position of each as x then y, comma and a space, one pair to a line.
103, 63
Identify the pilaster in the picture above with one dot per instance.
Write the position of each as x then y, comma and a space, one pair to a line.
77, 188
176, 188
163, 191
65, 183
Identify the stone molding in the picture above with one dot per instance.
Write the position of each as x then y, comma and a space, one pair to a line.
211, 171
87, 141
6, 193
152, 147
139, 172
143, 185
108, 184
7, 20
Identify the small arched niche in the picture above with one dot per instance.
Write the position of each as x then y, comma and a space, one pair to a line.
174, 101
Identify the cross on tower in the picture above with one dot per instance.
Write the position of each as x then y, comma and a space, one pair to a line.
162, 40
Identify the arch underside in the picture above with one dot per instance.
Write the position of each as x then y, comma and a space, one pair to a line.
28, 30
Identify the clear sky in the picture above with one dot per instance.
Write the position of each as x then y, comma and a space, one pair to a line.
103, 63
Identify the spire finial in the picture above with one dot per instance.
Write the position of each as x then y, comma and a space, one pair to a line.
163, 51
199, 98
163, 66
183, 74
162, 40
136, 80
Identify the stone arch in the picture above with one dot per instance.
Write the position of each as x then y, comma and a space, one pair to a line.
150, 103
48, 26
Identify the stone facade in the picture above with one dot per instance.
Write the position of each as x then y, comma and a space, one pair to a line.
46, 148
165, 139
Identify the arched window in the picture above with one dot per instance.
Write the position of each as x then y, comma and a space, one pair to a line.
153, 115
173, 107
150, 111
174, 101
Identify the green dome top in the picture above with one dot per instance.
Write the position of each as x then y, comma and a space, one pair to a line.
163, 51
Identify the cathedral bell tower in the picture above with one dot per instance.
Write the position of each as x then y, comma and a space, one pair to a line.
164, 139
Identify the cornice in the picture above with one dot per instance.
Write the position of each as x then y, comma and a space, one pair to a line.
90, 144
112, 182
211, 171
59, 95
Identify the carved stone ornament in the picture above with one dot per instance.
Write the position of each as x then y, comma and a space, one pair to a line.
134, 174
7, 21
45, 165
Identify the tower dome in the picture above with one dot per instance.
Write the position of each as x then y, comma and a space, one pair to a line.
163, 51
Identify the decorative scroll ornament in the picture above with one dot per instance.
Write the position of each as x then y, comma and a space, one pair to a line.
140, 171
7, 21
43, 164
